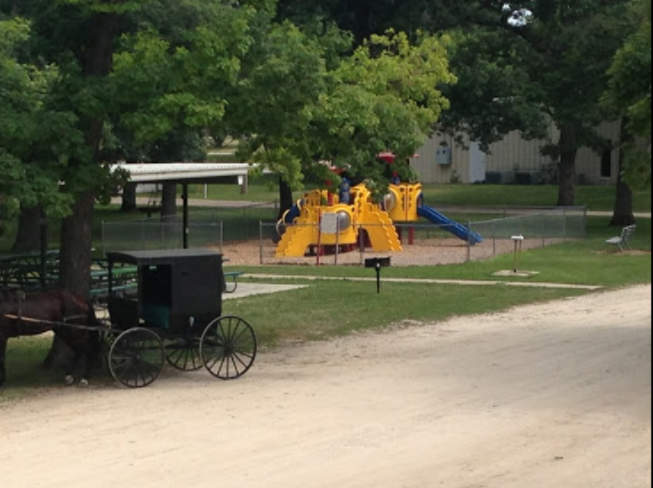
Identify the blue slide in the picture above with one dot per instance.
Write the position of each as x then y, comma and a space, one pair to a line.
455, 228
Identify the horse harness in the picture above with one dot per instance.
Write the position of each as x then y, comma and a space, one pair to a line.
66, 319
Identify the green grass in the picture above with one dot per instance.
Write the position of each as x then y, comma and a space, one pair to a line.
23, 358
327, 309
263, 188
596, 198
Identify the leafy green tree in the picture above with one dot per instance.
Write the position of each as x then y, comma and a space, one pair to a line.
116, 62
551, 64
303, 99
31, 150
629, 95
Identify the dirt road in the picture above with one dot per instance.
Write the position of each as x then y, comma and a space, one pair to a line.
548, 396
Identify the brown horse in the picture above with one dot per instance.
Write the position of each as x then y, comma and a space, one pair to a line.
61, 312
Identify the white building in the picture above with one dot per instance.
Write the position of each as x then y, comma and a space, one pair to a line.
514, 159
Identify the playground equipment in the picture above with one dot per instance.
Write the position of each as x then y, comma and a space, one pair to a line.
325, 219
405, 204
305, 224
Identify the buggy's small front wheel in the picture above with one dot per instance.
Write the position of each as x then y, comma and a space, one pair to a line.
136, 358
228, 347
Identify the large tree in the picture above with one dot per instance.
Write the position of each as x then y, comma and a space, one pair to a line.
30, 128
307, 96
629, 95
517, 63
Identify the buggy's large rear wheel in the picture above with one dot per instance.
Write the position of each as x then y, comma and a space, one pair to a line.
136, 358
228, 347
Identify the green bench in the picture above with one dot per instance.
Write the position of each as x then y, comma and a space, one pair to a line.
232, 286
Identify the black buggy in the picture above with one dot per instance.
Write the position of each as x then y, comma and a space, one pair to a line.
173, 314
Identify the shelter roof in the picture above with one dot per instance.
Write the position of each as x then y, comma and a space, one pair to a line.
180, 172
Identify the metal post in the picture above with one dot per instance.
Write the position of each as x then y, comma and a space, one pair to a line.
564, 217
185, 223
494, 237
337, 242
44, 251
163, 234
260, 242
378, 278
469, 241
361, 243
221, 235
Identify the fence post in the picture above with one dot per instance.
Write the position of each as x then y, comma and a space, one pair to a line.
221, 227
585, 222
361, 244
469, 240
564, 224
543, 229
104, 245
260, 242
337, 242
494, 236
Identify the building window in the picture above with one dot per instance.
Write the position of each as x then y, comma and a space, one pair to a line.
606, 164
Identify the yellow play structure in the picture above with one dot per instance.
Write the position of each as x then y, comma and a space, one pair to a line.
321, 219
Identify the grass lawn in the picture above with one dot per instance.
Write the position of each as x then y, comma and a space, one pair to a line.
584, 262
328, 309
596, 198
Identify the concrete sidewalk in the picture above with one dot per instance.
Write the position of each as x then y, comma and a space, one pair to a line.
516, 284
253, 289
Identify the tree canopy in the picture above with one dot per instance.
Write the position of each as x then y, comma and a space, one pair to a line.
629, 93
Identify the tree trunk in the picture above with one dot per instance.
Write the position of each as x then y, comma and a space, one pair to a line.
169, 202
76, 230
29, 230
567, 166
623, 208
286, 201
129, 198
75, 266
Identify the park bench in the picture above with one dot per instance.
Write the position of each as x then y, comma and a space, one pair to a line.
623, 241
232, 286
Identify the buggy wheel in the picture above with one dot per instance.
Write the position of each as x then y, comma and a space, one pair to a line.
136, 358
228, 347
184, 355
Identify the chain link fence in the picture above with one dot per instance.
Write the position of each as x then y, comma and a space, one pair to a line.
426, 244
208, 227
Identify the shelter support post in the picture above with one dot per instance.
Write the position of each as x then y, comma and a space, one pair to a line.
185, 223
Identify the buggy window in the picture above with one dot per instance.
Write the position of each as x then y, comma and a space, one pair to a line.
157, 295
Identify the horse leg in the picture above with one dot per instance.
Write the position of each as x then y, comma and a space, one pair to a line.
3, 352
91, 355
66, 337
